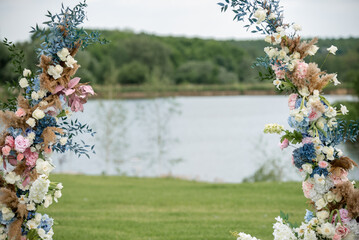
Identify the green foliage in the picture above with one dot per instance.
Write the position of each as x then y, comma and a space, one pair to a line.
285, 218
133, 73
294, 137
197, 72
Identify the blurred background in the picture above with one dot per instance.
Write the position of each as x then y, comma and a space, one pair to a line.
176, 93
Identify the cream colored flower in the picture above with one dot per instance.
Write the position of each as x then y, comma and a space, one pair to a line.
55, 71
335, 80
38, 114
297, 27
344, 109
322, 215
260, 14
70, 61
332, 49
31, 122
312, 50
23, 83
63, 54
26, 72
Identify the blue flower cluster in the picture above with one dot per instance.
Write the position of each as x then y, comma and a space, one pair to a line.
46, 223
302, 126
319, 171
304, 154
308, 216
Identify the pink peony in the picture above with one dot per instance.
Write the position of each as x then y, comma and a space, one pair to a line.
284, 144
31, 157
307, 186
323, 164
20, 157
21, 143
9, 140
342, 231
20, 112
280, 73
314, 115
343, 216
301, 70
292, 100
6, 150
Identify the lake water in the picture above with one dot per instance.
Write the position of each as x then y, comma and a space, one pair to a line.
214, 139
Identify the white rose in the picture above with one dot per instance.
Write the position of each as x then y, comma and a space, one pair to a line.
291, 66
322, 215
23, 83
42, 234
55, 71
63, 54
41, 93
31, 206
7, 214
295, 55
43, 167
329, 151
299, 117
26, 72
12, 177
321, 203
327, 229
312, 50
308, 168
332, 49
70, 61
260, 14
344, 109
319, 179
38, 114
63, 141
43, 103
330, 196
321, 122
31, 224
297, 27
35, 96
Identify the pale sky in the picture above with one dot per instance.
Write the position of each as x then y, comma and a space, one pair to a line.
192, 18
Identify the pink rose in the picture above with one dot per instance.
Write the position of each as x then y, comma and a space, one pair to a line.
20, 112
323, 164
292, 100
343, 216
9, 140
20, 157
284, 144
337, 237
307, 186
21, 143
301, 70
6, 150
342, 231
31, 157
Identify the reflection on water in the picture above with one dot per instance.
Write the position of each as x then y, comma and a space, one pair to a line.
201, 138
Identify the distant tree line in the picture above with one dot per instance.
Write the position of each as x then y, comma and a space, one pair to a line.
148, 59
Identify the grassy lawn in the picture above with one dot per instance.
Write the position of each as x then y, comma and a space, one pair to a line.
105, 207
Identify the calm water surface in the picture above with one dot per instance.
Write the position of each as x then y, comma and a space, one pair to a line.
216, 138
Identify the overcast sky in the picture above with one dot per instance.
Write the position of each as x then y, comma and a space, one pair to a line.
199, 18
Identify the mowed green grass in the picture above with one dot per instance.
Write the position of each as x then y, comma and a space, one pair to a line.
104, 207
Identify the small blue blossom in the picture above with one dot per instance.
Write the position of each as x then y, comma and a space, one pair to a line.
308, 216
46, 223
304, 154
319, 171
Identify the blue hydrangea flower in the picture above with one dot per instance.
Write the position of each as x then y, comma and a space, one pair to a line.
46, 223
304, 154
319, 171
302, 126
14, 131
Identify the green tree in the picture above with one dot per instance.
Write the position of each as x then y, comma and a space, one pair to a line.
133, 73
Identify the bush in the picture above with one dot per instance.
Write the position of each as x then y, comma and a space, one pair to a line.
133, 73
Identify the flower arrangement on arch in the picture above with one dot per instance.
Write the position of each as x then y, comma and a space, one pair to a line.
36, 124
317, 127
